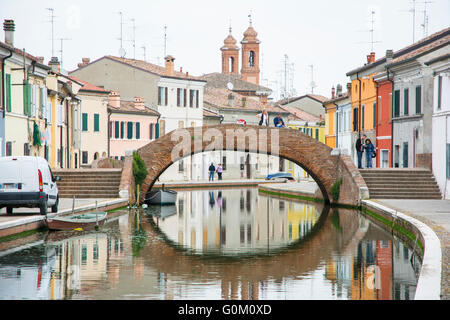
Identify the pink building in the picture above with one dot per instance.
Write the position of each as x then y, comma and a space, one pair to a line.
132, 124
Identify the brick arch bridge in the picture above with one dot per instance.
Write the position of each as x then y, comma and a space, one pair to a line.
313, 156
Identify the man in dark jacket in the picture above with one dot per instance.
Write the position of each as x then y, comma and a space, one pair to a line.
278, 121
211, 169
360, 149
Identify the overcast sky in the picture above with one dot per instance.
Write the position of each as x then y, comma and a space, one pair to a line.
333, 36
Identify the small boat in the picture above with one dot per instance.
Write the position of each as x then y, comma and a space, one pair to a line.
161, 197
75, 221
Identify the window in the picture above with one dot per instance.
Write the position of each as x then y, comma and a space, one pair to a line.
85, 122
180, 166
224, 163
362, 116
151, 131
96, 122
418, 99
405, 154
162, 96
162, 127
184, 98
374, 109
116, 131
110, 129
191, 98
130, 130
396, 156
396, 103
180, 124
8, 92
26, 149
179, 93
406, 102
157, 130
317, 134
122, 130
251, 59
355, 119
230, 65
138, 130
84, 157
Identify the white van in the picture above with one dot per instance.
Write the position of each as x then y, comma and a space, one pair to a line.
27, 182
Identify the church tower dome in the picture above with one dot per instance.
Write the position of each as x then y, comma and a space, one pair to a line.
230, 55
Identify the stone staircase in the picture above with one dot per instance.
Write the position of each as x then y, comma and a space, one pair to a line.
88, 183
401, 184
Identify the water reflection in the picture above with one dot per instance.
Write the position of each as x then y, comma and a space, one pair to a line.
240, 246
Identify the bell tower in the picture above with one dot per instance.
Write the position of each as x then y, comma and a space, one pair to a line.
250, 55
230, 55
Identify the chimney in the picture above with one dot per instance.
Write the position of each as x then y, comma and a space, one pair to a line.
169, 65
368, 58
139, 103
338, 90
84, 62
181, 69
332, 93
349, 88
54, 64
389, 55
371, 57
114, 99
9, 27
40, 60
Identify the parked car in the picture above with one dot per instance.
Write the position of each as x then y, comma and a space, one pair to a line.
280, 175
27, 182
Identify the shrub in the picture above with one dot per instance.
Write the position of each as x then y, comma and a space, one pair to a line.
139, 169
335, 189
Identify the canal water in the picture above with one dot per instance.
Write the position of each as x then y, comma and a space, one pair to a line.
216, 244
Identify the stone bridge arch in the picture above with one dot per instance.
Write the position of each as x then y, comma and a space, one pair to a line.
323, 164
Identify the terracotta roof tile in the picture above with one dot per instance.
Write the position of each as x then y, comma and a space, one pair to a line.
89, 86
128, 106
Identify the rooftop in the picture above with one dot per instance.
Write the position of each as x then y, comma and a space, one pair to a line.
220, 80
89, 86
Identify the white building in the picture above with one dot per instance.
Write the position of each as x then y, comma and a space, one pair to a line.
441, 122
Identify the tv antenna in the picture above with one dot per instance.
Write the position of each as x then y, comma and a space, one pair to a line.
312, 84
122, 52
165, 41
424, 25
61, 51
144, 48
52, 21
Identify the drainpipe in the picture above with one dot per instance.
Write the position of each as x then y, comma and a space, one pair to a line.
359, 106
4, 98
392, 116
337, 126
110, 130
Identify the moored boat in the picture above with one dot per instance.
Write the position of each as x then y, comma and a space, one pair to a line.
161, 197
75, 221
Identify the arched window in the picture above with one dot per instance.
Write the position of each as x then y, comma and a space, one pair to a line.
230, 64
251, 59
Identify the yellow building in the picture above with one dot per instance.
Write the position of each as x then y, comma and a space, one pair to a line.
308, 124
24, 103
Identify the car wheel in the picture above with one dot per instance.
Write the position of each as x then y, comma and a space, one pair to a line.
43, 208
55, 206
9, 210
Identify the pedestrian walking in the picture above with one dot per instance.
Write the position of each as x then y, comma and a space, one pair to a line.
370, 150
211, 169
360, 149
278, 121
264, 118
219, 171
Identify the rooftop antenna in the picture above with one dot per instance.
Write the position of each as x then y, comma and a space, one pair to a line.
134, 38
144, 48
52, 21
425, 18
312, 84
250, 18
165, 40
121, 49
413, 11
61, 51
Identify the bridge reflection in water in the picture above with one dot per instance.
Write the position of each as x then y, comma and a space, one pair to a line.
217, 244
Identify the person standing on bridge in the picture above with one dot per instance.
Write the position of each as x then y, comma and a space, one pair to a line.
264, 118
370, 150
219, 171
211, 169
278, 121
360, 149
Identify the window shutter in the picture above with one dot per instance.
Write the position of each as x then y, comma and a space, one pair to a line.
96, 122
8, 92
151, 131
184, 97
178, 97
418, 99
85, 122
157, 130
196, 98
165, 96
130, 130
25, 98
159, 96
122, 130
138, 130
116, 127
397, 103
49, 112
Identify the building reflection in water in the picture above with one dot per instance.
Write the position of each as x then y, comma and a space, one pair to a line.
236, 244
